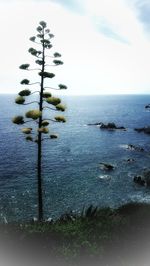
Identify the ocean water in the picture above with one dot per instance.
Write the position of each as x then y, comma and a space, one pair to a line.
72, 177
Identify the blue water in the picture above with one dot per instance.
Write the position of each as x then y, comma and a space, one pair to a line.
71, 170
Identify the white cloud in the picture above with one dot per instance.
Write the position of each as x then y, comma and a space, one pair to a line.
94, 64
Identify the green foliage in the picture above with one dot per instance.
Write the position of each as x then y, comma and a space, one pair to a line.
53, 136
77, 234
45, 123
34, 52
51, 36
26, 130
46, 74
46, 94
60, 107
47, 31
44, 130
49, 46
45, 41
40, 35
109, 238
43, 24
32, 39
57, 62
90, 212
29, 138
25, 82
24, 66
20, 100
39, 29
62, 87
24, 92
57, 55
34, 114
53, 100
39, 62
19, 120
60, 119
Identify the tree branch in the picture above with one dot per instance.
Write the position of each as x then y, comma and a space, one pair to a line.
35, 92
33, 83
45, 139
49, 119
50, 56
46, 107
30, 103
34, 69
37, 42
28, 121
52, 88
50, 65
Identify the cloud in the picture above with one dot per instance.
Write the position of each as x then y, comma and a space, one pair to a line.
142, 10
93, 62
107, 29
73, 5
111, 19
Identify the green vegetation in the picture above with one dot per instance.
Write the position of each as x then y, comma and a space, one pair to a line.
37, 115
103, 237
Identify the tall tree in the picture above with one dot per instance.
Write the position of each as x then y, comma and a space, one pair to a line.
42, 38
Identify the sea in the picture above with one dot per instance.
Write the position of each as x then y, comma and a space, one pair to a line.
72, 175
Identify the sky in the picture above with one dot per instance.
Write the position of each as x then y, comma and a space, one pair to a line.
105, 44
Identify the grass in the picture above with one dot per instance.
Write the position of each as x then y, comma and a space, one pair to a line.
105, 237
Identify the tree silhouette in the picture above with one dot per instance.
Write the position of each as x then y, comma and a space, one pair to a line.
43, 39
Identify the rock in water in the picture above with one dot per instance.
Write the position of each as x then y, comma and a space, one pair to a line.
106, 166
109, 126
144, 179
130, 160
139, 180
145, 130
134, 148
147, 106
94, 124
146, 176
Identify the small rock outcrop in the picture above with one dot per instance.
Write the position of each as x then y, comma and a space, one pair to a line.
94, 124
139, 180
146, 130
134, 148
106, 166
109, 126
144, 179
130, 160
147, 106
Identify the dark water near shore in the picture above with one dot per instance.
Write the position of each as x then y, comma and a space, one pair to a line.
71, 171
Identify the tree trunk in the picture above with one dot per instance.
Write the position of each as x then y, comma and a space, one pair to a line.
39, 166
40, 198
